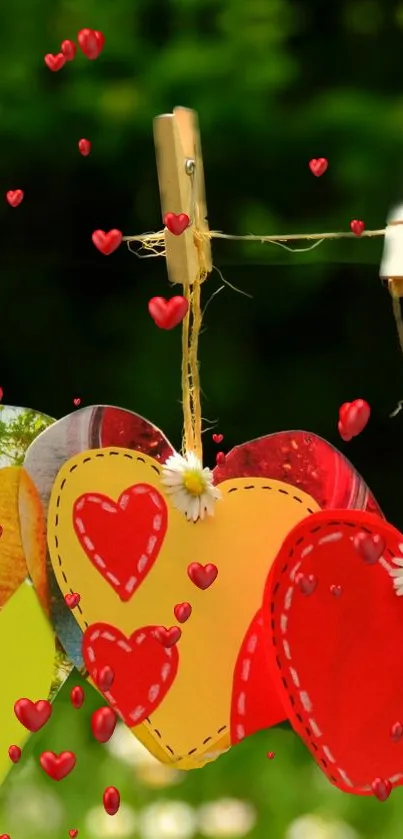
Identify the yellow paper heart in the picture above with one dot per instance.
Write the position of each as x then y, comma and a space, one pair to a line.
250, 523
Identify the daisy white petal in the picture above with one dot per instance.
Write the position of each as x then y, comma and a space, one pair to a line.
190, 486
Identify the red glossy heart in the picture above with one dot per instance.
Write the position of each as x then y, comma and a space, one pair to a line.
122, 539
182, 612
14, 197
176, 224
72, 600
353, 417
69, 49
84, 147
357, 227
107, 243
336, 661
14, 753
57, 766
202, 576
168, 637
32, 715
55, 62
103, 724
318, 166
91, 43
144, 669
168, 313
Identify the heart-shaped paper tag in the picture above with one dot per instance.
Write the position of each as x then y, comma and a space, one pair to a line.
336, 660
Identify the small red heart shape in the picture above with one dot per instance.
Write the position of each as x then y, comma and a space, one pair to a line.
176, 224
72, 600
76, 402
271, 755
14, 197
69, 49
382, 788
144, 669
104, 679
57, 766
370, 546
91, 43
14, 753
202, 576
182, 612
168, 313
55, 62
73, 833
107, 243
345, 719
103, 724
218, 438
318, 166
84, 147
111, 801
220, 458
353, 417
357, 227
306, 583
32, 715
122, 539
337, 591
168, 637
396, 732
77, 696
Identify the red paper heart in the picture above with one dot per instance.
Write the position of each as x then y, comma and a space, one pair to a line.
353, 417
336, 661
318, 166
57, 766
103, 724
107, 243
55, 62
202, 576
32, 715
176, 224
168, 313
69, 49
182, 612
91, 43
123, 539
144, 669
14, 197
357, 227
255, 703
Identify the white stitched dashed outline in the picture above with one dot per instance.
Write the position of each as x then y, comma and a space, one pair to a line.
304, 697
138, 713
246, 664
143, 562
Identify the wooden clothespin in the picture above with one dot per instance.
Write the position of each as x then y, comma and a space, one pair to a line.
392, 265
182, 190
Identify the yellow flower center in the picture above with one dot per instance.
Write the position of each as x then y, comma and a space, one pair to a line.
194, 483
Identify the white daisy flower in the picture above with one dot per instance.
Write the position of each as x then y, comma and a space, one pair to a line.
397, 574
190, 486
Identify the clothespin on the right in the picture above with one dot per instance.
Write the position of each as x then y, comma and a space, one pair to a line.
392, 265
182, 190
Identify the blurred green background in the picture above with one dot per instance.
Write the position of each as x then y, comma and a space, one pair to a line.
275, 83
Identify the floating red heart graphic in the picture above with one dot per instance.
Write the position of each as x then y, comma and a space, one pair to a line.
396, 732
353, 417
271, 755
176, 224
84, 147
55, 62
337, 591
57, 766
318, 166
168, 637
111, 801
73, 833
357, 227
182, 612
77, 696
220, 458
72, 600
381, 788
103, 724
1, 393
69, 49
76, 401
345, 719
168, 313
255, 704
202, 576
91, 43
32, 715
218, 438
104, 679
306, 583
122, 539
144, 669
370, 546
107, 243
14, 197
14, 753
